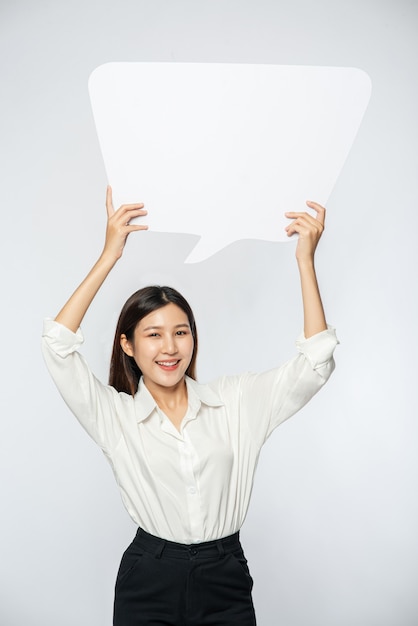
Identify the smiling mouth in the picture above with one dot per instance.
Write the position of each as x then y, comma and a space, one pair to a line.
168, 365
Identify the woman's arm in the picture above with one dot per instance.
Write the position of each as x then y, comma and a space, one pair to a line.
117, 231
310, 230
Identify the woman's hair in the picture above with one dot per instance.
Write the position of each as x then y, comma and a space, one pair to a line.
124, 372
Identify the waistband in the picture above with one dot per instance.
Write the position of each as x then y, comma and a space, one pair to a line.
206, 549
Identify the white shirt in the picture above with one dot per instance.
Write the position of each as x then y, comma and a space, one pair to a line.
195, 484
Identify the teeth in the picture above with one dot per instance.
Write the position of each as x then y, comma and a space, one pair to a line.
167, 363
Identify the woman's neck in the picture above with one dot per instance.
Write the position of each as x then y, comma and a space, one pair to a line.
169, 399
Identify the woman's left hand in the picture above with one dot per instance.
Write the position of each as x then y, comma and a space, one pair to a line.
309, 230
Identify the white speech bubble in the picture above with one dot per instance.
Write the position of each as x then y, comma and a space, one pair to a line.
223, 150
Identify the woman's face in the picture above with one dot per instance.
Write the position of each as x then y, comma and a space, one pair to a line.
162, 347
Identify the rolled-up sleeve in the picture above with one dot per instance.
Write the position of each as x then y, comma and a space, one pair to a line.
318, 351
95, 405
270, 398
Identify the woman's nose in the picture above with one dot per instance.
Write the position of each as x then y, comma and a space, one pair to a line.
169, 346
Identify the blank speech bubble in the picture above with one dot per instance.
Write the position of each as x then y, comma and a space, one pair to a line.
223, 150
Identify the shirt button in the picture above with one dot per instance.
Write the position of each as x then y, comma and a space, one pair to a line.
192, 491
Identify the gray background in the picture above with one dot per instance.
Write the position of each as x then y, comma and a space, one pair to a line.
331, 534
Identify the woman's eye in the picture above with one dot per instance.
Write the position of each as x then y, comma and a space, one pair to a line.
181, 332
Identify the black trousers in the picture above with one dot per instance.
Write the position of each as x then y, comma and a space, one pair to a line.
162, 583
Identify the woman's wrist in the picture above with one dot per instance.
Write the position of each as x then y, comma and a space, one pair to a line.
306, 264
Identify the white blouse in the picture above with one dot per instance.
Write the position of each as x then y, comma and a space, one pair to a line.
195, 484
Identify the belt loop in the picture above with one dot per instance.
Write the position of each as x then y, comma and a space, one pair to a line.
160, 549
220, 546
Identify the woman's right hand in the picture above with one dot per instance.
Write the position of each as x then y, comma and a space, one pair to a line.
118, 229
119, 226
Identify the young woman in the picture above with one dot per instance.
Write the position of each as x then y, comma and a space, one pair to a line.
183, 454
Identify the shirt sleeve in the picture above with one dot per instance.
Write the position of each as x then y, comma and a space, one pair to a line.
95, 405
270, 398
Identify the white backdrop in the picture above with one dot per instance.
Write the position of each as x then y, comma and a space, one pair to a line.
331, 534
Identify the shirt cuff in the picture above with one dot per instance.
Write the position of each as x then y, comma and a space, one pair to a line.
319, 348
61, 339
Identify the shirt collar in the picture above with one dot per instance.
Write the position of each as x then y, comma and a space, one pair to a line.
145, 403
204, 393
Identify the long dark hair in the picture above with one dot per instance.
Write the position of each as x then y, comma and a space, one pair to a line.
124, 372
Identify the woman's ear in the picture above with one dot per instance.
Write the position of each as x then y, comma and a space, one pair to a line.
126, 345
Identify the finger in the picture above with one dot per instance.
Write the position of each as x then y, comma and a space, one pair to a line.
134, 227
109, 201
306, 226
296, 230
127, 211
320, 210
290, 230
298, 215
293, 228
305, 217
126, 215
128, 207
